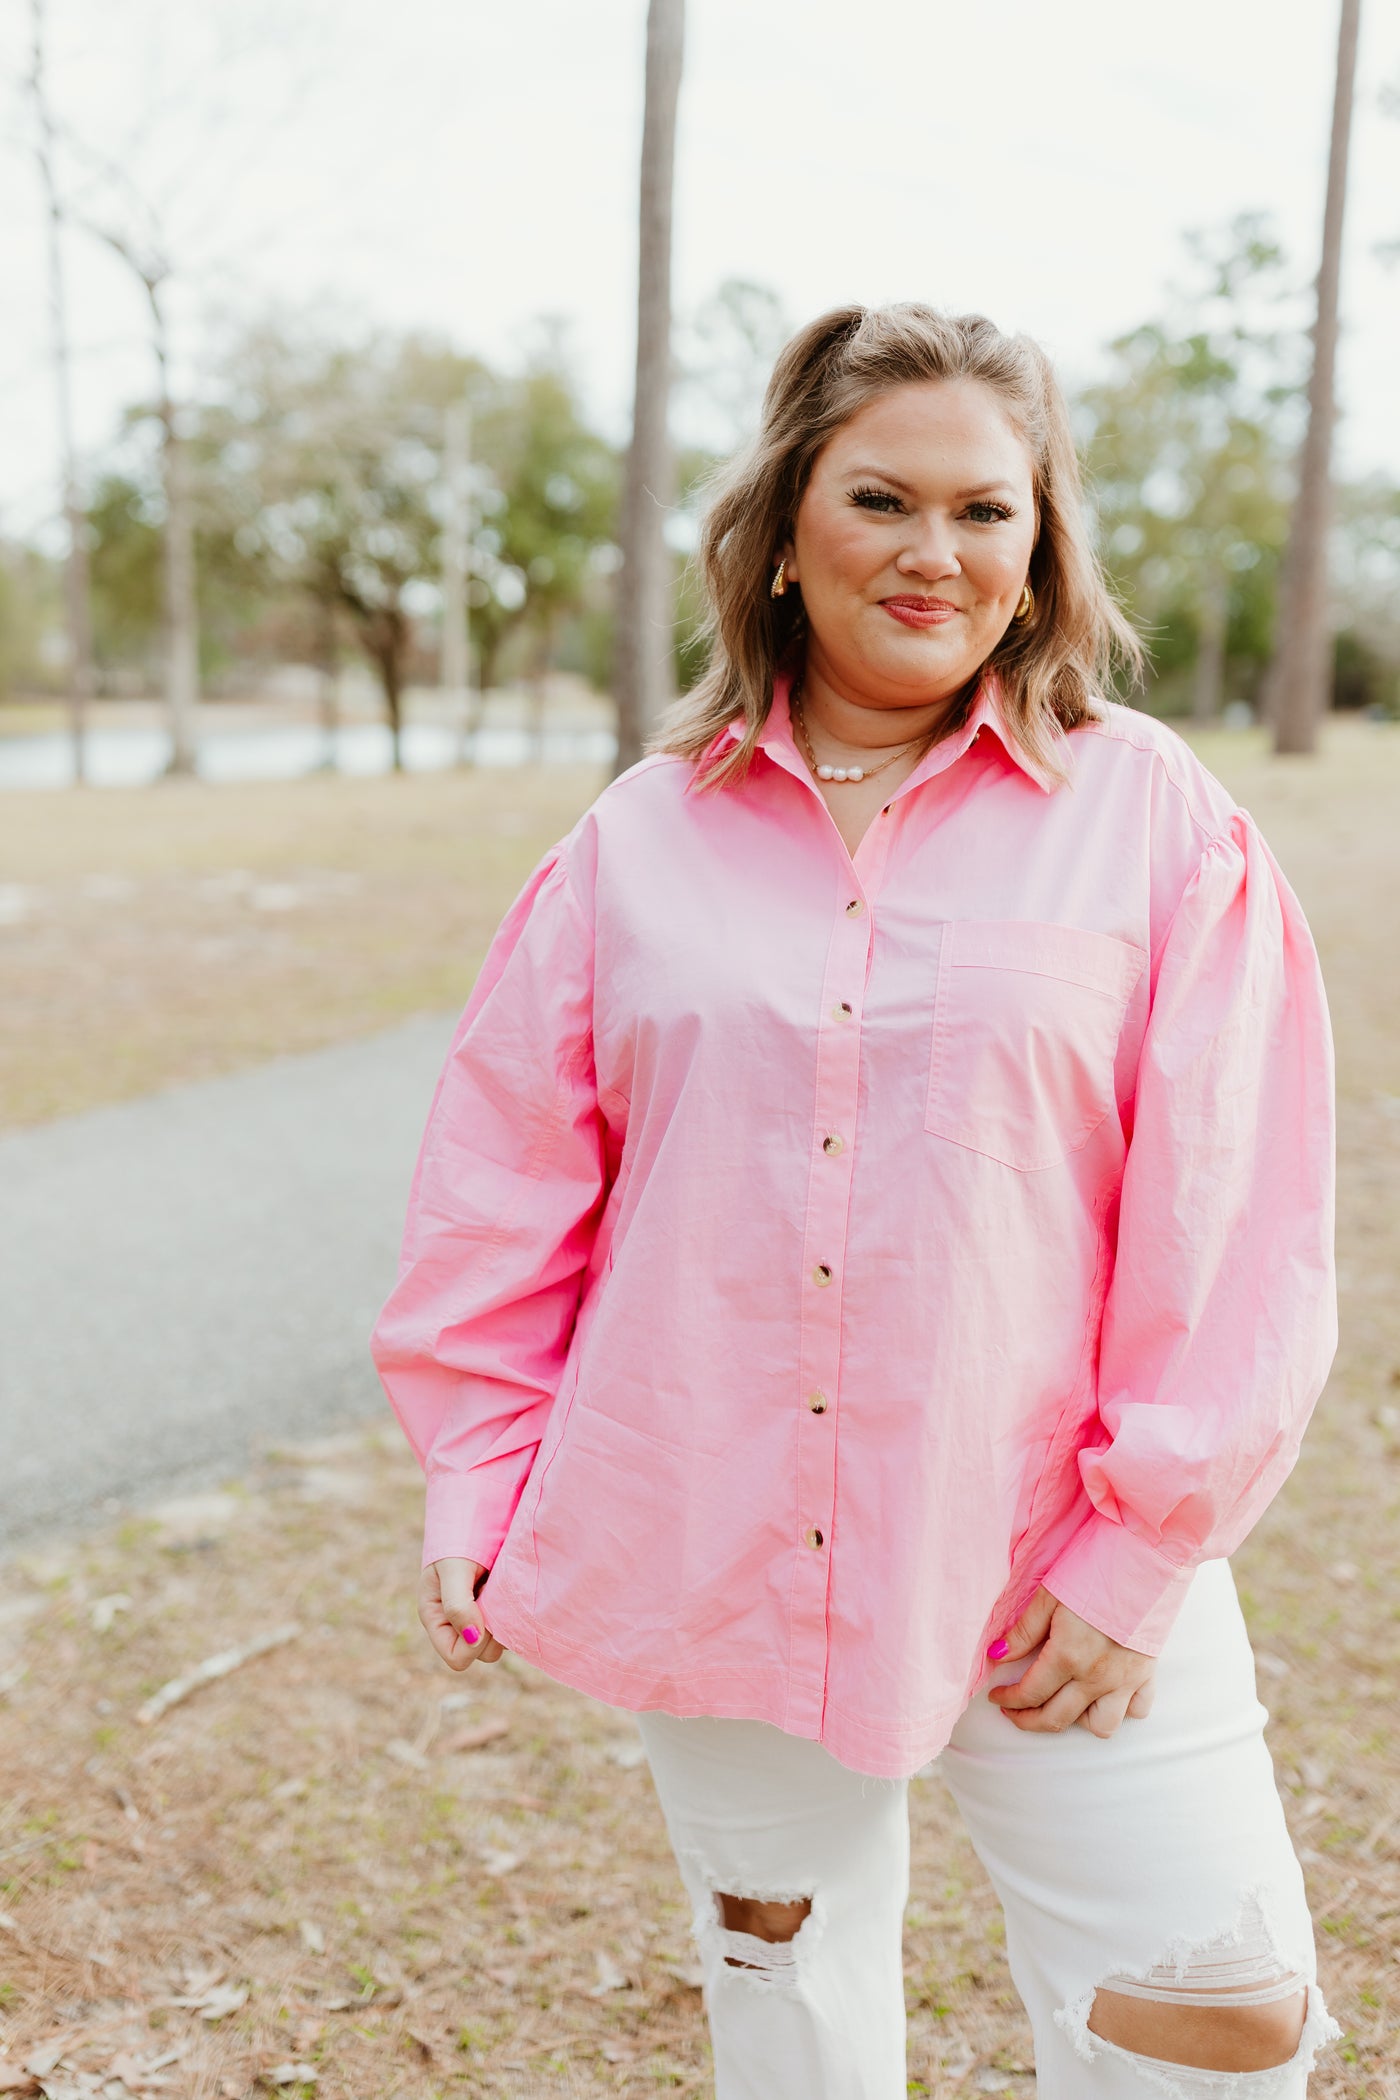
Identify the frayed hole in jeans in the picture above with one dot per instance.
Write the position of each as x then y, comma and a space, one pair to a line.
760, 1935
1232, 2015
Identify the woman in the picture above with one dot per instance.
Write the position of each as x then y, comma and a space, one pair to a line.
870, 1262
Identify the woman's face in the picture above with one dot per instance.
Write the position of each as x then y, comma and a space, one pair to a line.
912, 542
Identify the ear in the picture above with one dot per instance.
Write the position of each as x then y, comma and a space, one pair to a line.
785, 551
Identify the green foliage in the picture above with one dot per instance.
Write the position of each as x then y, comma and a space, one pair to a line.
320, 487
124, 568
125, 522
1189, 444
546, 509
31, 609
333, 460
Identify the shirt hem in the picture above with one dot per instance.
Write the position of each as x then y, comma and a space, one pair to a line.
877, 1753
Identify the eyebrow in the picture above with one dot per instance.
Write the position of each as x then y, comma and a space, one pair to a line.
984, 488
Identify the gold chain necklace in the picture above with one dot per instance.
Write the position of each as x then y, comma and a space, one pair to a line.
852, 773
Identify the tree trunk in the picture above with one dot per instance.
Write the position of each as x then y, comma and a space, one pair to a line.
454, 662
82, 677
327, 680
643, 665
181, 606
542, 657
1212, 627
489, 643
393, 702
384, 632
77, 601
1298, 681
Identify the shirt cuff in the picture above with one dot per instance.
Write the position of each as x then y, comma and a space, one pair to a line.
1118, 1583
468, 1514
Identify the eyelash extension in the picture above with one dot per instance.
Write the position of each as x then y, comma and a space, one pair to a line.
870, 496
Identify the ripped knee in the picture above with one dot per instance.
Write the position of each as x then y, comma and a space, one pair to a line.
758, 1933
765, 1921
1233, 2006
1204, 2030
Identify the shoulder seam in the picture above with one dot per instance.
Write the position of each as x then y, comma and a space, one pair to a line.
1106, 726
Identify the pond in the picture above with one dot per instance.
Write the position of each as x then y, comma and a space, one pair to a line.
286, 751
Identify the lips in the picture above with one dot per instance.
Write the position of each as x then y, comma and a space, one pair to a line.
919, 612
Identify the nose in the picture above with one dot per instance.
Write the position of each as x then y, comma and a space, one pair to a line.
931, 549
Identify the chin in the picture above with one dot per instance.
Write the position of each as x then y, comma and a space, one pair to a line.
918, 667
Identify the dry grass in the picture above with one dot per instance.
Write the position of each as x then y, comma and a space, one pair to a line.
498, 1919
151, 935
506, 1918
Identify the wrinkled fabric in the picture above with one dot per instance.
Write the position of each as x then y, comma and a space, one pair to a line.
810, 1254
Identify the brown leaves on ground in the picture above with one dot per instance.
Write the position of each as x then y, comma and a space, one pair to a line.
338, 1868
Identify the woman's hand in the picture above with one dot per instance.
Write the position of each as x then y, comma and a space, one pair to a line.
451, 1615
1079, 1675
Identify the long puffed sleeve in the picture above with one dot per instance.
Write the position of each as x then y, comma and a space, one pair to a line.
1221, 1322
472, 1341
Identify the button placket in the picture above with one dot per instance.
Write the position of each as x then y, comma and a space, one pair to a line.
823, 1288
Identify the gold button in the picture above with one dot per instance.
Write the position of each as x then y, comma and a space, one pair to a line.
844, 1011
822, 1273
818, 1402
854, 908
832, 1142
813, 1537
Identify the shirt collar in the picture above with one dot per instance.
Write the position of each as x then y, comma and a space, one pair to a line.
778, 739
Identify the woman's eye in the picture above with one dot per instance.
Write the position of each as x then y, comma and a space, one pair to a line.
876, 499
989, 513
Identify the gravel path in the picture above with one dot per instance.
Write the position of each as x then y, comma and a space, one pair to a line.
188, 1278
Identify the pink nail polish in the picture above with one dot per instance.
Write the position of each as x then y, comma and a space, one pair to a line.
998, 1649
469, 1633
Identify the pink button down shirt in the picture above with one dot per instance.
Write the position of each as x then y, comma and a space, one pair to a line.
809, 1254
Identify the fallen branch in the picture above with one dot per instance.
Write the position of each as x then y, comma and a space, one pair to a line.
209, 1671
474, 1738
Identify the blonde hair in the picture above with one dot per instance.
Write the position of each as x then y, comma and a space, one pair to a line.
1049, 669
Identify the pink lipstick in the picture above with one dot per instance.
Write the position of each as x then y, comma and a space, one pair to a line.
919, 612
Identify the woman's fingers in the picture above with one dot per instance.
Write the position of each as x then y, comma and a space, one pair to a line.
1080, 1674
1103, 1716
1041, 1681
1140, 1705
451, 1615
1028, 1632
465, 1651
1056, 1714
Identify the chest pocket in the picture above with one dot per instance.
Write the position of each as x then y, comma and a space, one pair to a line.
1025, 1032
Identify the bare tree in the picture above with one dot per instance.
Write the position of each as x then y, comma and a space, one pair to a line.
644, 674
147, 262
186, 105
454, 667
1298, 681
75, 570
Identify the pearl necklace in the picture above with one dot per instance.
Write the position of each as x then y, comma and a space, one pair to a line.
825, 772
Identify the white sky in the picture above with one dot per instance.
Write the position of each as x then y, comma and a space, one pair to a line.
464, 167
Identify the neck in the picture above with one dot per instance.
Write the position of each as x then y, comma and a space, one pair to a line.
873, 727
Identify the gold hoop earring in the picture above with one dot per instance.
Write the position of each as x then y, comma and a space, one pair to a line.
778, 586
1025, 605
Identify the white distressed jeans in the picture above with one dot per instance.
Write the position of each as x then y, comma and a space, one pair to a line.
1155, 1862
